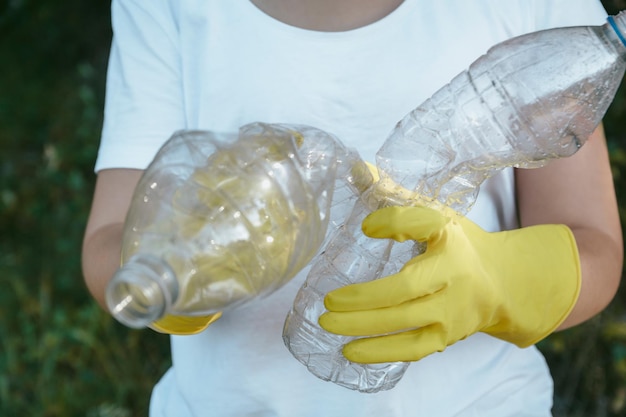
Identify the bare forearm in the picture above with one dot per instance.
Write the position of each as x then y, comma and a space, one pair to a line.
103, 235
578, 191
601, 258
101, 258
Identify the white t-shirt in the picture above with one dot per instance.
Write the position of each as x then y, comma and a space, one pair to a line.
216, 65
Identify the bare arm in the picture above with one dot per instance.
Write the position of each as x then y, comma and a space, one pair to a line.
103, 235
579, 192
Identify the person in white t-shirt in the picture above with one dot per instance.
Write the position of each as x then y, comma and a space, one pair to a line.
354, 68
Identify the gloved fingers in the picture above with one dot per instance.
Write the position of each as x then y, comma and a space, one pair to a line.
184, 325
404, 223
418, 279
401, 347
411, 315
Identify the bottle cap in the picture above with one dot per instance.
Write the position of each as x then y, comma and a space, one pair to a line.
184, 325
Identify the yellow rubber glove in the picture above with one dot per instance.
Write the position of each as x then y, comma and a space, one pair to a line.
514, 285
184, 325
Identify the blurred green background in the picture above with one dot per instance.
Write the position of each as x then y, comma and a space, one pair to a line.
62, 356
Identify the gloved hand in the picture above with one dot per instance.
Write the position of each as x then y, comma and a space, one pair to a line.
515, 285
184, 325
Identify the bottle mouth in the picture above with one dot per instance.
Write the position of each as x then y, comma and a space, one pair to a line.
133, 304
136, 296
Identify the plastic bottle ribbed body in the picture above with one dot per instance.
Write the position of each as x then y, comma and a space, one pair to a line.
528, 100
348, 258
232, 217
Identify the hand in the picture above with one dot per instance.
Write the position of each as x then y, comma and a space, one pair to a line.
184, 325
514, 285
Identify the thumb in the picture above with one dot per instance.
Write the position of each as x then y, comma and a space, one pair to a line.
404, 223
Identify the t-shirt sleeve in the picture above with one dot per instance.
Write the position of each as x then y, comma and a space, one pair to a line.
144, 98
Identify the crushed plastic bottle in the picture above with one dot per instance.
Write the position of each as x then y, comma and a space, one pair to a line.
218, 219
530, 99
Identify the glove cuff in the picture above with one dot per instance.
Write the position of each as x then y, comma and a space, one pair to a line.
548, 256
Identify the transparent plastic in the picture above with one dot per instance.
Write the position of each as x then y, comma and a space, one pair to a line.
219, 219
529, 100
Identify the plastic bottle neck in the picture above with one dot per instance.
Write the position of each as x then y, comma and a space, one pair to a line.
141, 291
618, 24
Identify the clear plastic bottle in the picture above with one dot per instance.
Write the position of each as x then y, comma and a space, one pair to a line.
530, 99
349, 257
217, 220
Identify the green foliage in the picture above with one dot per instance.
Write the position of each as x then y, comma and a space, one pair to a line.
60, 355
